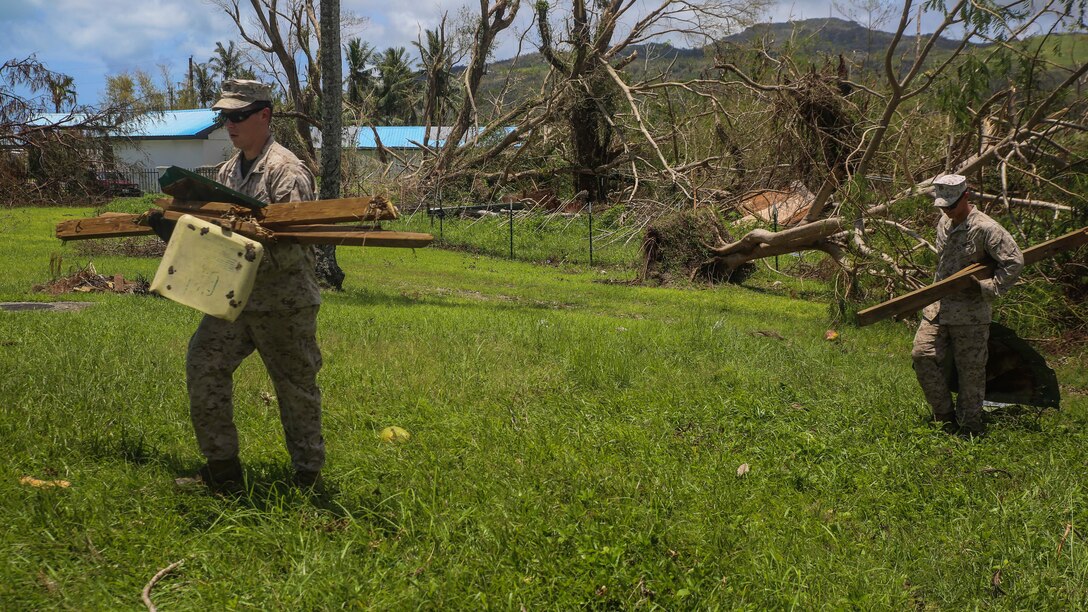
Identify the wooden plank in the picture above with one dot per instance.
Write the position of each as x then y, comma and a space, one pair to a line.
413, 240
120, 225
920, 298
112, 226
327, 211
295, 213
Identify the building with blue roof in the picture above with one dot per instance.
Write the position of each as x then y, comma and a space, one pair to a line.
187, 138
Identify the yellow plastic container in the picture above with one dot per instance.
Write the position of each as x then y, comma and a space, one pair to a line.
208, 268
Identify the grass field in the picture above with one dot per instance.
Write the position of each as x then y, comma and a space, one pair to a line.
575, 444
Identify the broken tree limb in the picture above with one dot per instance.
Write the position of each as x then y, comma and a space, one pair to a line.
986, 197
146, 594
925, 296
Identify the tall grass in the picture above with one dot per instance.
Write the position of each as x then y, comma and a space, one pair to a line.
574, 444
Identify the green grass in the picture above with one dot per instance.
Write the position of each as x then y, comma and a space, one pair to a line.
574, 444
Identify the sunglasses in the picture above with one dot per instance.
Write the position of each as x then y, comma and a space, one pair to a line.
240, 115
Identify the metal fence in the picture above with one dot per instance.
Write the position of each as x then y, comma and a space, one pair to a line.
148, 180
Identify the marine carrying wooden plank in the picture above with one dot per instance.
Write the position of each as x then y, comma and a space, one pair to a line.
920, 298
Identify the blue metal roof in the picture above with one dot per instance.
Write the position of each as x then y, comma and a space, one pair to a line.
408, 136
393, 137
192, 123
176, 124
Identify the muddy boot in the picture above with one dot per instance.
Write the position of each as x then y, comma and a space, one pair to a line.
311, 482
220, 476
975, 432
947, 423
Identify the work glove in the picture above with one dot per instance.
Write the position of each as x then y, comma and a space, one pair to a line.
163, 227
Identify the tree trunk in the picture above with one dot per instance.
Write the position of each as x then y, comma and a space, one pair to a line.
328, 271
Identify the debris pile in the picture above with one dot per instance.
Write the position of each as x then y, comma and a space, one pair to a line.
88, 280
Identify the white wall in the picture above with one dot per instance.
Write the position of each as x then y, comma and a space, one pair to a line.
187, 153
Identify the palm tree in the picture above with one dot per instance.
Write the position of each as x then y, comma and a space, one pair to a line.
204, 84
227, 61
360, 81
397, 90
60, 89
438, 66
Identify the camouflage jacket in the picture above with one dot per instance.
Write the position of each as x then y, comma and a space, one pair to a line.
285, 277
979, 239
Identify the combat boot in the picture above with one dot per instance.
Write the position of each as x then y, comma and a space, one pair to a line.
309, 481
972, 433
221, 475
947, 423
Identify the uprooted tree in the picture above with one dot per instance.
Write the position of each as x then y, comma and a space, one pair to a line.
998, 114
991, 103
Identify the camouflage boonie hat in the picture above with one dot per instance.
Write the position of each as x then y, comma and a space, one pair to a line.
948, 189
240, 93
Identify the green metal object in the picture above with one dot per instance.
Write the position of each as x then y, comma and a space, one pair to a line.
189, 186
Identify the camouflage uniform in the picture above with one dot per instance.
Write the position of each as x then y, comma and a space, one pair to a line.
279, 321
962, 320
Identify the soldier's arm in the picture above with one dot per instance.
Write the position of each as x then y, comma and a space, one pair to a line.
1009, 261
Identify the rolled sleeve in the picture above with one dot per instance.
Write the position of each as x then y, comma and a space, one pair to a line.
1009, 262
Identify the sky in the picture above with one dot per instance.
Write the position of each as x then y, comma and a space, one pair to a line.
90, 39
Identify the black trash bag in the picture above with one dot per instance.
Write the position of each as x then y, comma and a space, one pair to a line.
1015, 372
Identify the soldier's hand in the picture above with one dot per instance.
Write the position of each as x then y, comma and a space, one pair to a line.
975, 288
163, 227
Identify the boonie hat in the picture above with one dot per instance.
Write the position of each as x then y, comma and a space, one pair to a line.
240, 93
948, 189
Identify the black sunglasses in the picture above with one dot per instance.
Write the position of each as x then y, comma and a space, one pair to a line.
241, 115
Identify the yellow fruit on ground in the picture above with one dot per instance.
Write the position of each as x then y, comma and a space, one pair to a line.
394, 434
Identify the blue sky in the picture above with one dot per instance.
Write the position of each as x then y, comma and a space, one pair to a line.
89, 39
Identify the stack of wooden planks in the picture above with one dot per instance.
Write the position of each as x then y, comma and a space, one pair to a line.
298, 222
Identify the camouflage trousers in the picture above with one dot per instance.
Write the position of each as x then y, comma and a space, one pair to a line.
968, 344
286, 340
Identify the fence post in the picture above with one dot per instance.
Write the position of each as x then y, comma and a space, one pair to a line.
510, 208
591, 233
774, 227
